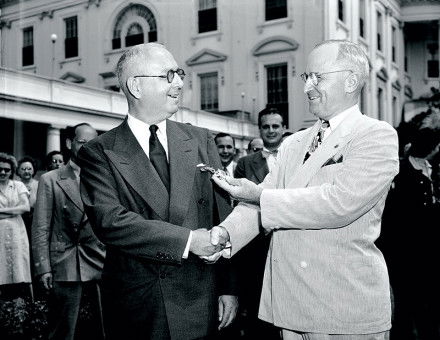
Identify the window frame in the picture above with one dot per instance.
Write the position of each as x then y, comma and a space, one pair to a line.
209, 75
205, 9
69, 51
26, 48
266, 8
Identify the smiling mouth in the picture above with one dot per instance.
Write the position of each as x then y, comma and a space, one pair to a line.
174, 96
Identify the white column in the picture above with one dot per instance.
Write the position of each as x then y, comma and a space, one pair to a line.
53, 139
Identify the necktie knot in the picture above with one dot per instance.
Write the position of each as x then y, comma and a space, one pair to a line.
153, 129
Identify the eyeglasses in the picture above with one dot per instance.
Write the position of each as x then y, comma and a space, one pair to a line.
256, 149
169, 76
6, 170
56, 161
315, 77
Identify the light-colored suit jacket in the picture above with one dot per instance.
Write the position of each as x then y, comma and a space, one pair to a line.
62, 239
324, 273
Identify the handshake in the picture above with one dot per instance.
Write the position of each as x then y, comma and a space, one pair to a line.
210, 245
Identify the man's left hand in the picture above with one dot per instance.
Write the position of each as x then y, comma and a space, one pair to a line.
227, 310
240, 188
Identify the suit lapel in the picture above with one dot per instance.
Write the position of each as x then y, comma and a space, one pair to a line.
259, 167
335, 142
68, 182
183, 150
132, 163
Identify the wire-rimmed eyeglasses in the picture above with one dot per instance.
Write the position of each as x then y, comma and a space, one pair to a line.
169, 76
315, 77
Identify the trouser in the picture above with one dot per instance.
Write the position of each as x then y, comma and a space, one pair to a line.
64, 306
292, 335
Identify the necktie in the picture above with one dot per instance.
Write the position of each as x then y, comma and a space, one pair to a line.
158, 157
317, 140
225, 169
266, 153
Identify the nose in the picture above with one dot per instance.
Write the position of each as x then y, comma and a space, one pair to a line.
177, 81
308, 86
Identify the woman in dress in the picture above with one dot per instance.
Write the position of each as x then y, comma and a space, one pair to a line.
15, 273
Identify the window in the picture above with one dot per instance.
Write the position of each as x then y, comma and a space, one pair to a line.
432, 63
379, 31
341, 10
141, 17
362, 18
276, 9
71, 41
394, 43
277, 91
28, 46
207, 15
209, 91
135, 35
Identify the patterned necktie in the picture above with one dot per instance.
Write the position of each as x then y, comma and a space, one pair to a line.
158, 157
317, 140
225, 169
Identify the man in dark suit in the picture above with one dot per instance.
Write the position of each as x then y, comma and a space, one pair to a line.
252, 259
67, 255
148, 200
256, 166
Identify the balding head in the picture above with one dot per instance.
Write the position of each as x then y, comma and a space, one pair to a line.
135, 61
349, 55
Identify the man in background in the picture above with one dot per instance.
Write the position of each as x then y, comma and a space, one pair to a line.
68, 258
226, 150
255, 145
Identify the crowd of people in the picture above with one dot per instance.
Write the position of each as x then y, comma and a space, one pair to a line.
294, 240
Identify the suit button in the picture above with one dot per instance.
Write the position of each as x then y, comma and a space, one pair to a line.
201, 201
162, 275
303, 264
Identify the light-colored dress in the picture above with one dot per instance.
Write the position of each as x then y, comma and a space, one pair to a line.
14, 244
32, 187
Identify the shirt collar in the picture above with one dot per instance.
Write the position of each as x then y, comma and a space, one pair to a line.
336, 120
139, 127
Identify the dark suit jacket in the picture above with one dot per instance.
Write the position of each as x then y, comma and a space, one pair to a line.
253, 167
62, 240
148, 289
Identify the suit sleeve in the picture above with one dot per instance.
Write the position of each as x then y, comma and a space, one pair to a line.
240, 171
226, 270
115, 225
364, 177
41, 226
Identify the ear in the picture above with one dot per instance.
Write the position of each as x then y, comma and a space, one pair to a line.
352, 82
68, 144
133, 87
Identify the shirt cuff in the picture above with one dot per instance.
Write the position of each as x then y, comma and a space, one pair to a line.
188, 243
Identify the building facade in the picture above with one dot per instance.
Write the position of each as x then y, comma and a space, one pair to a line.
239, 55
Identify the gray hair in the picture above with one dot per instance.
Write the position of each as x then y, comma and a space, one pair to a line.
352, 54
130, 56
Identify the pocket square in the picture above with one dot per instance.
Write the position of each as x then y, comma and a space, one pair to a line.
332, 160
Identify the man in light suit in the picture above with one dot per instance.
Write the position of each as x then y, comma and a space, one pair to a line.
67, 255
251, 260
146, 198
324, 277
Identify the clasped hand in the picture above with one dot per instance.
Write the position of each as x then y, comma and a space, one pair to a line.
210, 245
